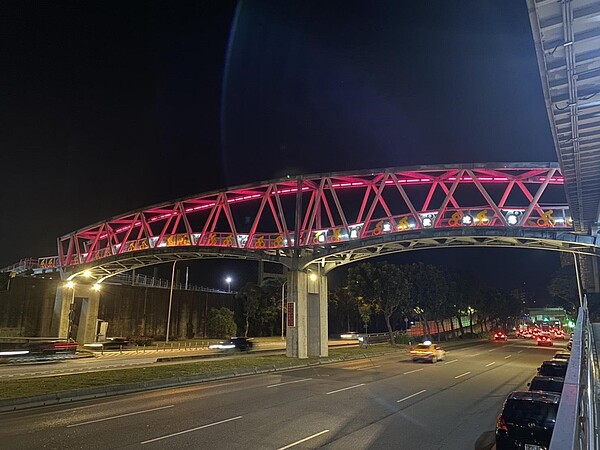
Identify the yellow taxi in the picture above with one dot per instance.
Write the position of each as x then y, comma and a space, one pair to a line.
429, 352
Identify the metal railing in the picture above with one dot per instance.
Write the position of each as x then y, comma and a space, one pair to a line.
145, 280
575, 426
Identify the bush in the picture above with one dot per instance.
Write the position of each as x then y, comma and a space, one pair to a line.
140, 340
404, 339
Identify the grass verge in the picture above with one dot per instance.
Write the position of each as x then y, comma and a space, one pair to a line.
39, 386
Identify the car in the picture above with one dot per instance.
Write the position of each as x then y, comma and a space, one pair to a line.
239, 344
570, 345
563, 356
545, 341
546, 384
527, 420
428, 352
349, 335
553, 368
111, 343
500, 336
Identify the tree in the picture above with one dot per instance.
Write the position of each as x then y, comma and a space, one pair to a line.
221, 323
428, 291
248, 304
563, 288
383, 287
343, 307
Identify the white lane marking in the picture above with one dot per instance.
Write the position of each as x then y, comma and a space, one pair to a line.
506, 357
476, 354
288, 382
492, 350
303, 440
412, 371
367, 368
450, 362
345, 389
520, 351
490, 364
411, 396
190, 430
119, 416
462, 374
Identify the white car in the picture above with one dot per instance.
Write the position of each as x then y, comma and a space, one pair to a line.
349, 335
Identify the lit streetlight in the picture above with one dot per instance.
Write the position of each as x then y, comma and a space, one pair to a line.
228, 281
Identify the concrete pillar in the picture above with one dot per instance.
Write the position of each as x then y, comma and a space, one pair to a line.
307, 291
88, 319
60, 315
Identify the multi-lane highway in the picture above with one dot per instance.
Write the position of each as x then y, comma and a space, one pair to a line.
386, 402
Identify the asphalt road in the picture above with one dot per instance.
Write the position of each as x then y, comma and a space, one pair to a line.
387, 402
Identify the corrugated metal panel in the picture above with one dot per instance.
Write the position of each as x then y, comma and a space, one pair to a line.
567, 40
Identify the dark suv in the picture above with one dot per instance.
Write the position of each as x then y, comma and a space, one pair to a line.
548, 384
239, 344
527, 419
554, 368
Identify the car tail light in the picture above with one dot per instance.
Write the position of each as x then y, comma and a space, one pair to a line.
539, 339
501, 424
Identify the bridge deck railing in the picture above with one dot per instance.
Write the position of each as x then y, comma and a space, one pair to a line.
575, 426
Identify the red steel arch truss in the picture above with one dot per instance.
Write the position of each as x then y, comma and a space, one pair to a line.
331, 209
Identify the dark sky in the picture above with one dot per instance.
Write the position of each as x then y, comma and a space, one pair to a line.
109, 106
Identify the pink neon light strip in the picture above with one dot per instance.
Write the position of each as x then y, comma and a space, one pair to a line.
555, 180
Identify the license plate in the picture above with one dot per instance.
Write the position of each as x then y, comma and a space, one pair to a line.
534, 447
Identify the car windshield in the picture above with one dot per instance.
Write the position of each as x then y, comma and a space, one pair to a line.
546, 385
423, 347
522, 412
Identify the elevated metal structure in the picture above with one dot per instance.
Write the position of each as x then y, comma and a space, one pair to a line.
335, 219
567, 42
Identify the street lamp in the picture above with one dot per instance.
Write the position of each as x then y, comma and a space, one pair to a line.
228, 281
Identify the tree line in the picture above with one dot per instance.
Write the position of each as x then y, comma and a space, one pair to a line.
383, 295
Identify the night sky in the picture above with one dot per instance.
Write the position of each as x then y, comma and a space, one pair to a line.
110, 106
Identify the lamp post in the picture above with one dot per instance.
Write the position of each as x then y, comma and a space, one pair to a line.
283, 309
170, 301
228, 281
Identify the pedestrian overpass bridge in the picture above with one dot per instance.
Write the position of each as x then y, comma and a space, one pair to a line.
312, 224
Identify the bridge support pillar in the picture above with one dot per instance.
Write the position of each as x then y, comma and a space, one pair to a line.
307, 328
88, 318
59, 326
64, 321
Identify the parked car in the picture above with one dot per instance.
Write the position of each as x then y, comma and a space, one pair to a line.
547, 384
428, 352
563, 356
553, 368
527, 420
239, 344
570, 344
